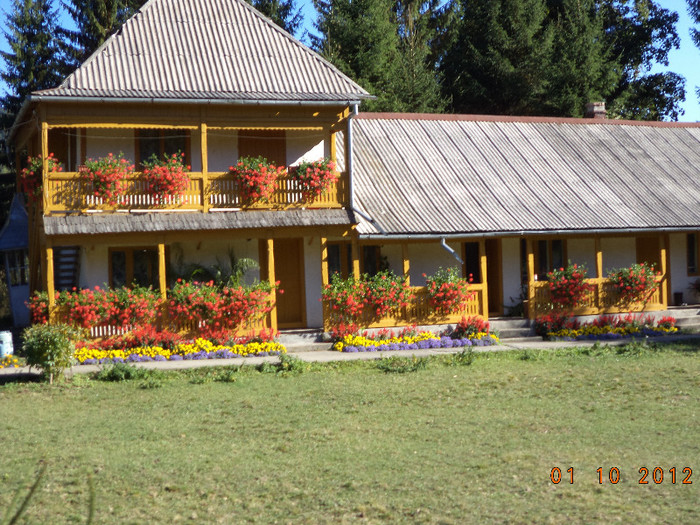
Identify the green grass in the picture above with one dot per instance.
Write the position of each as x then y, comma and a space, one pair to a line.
460, 440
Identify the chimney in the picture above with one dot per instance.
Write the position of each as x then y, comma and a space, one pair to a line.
594, 110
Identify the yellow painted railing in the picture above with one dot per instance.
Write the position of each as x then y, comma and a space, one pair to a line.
602, 299
68, 192
417, 312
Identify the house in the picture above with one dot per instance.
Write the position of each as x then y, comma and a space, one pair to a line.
504, 198
15, 259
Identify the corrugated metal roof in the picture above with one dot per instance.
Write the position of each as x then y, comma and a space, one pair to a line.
172, 222
420, 174
206, 49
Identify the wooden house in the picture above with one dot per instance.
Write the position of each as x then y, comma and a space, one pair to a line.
505, 198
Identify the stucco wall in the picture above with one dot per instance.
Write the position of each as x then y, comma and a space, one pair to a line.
428, 257
680, 280
100, 142
618, 252
222, 149
510, 249
312, 282
304, 146
582, 251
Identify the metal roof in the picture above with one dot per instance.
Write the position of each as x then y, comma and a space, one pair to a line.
205, 50
458, 174
99, 223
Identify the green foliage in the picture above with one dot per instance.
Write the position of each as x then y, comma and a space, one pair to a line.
284, 13
402, 365
36, 55
463, 358
119, 372
50, 347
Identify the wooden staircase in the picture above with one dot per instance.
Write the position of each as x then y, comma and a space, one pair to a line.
66, 267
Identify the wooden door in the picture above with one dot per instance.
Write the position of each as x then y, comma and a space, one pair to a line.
494, 276
270, 144
289, 271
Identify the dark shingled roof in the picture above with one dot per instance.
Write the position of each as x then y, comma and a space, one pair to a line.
98, 223
468, 174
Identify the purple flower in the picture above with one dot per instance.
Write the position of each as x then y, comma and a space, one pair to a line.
446, 342
89, 362
176, 357
159, 358
350, 349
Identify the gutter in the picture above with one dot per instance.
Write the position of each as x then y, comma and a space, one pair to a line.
454, 254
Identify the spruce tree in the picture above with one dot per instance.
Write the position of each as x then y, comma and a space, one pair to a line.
694, 11
96, 20
284, 13
36, 58
498, 61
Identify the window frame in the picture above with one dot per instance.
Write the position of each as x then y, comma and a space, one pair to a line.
692, 247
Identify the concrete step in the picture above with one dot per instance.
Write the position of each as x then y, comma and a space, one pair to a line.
300, 337
513, 333
683, 312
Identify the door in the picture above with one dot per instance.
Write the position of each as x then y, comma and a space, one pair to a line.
494, 276
289, 271
649, 251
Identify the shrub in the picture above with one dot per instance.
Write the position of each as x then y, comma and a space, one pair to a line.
107, 176
345, 298
39, 308
256, 177
448, 292
31, 177
567, 286
167, 178
386, 292
49, 347
470, 326
118, 372
635, 284
315, 177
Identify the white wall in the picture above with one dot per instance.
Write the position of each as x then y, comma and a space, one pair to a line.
680, 280
582, 251
313, 282
100, 142
222, 149
428, 257
305, 146
511, 271
618, 252
94, 266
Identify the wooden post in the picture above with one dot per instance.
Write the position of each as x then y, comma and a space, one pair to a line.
406, 263
50, 289
205, 166
162, 281
324, 262
532, 311
331, 146
355, 248
45, 163
663, 249
484, 279
271, 278
598, 273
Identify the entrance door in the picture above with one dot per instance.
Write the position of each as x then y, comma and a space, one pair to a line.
289, 271
494, 276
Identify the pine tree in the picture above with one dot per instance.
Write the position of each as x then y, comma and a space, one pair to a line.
36, 59
694, 11
498, 61
284, 13
96, 20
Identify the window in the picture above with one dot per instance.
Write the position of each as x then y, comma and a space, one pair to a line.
549, 254
692, 253
160, 142
472, 263
133, 266
18, 267
339, 259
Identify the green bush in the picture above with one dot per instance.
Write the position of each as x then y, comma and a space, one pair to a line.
118, 372
49, 347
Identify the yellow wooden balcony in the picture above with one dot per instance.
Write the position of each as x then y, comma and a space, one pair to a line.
68, 192
602, 299
417, 312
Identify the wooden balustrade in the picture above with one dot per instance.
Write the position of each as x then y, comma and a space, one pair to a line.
417, 312
602, 299
69, 192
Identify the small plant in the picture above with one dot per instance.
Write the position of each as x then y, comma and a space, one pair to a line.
315, 177
448, 293
50, 347
635, 284
463, 358
554, 322
31, 177
257, 178
470, 326
567, 286
107, 175
291, 365
402, 365
167, 178
119, 372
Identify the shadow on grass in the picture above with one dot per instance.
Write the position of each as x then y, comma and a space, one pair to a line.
21, 377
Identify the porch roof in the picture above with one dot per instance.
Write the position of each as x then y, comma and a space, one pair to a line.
436, 175
156, 222
213, 50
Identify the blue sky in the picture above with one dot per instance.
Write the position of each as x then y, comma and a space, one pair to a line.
685, 61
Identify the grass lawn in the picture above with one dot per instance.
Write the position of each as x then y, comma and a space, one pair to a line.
347, 442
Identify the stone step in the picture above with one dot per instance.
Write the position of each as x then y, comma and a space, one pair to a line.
299, 337
513, 333
503, 323
683, 312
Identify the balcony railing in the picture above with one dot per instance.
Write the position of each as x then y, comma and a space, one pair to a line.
417, 312
68, 192
602, 299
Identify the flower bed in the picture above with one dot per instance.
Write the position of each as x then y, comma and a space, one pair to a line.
9, 361
611, 327
407, 341
195, 350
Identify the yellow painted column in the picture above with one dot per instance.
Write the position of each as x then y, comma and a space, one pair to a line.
331, 146
324, 261
271, 278
162, 281
45, 163
530, 278
598, 273
663, 249
406, 263
355, 258
484, 279
50, 289
205, 166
